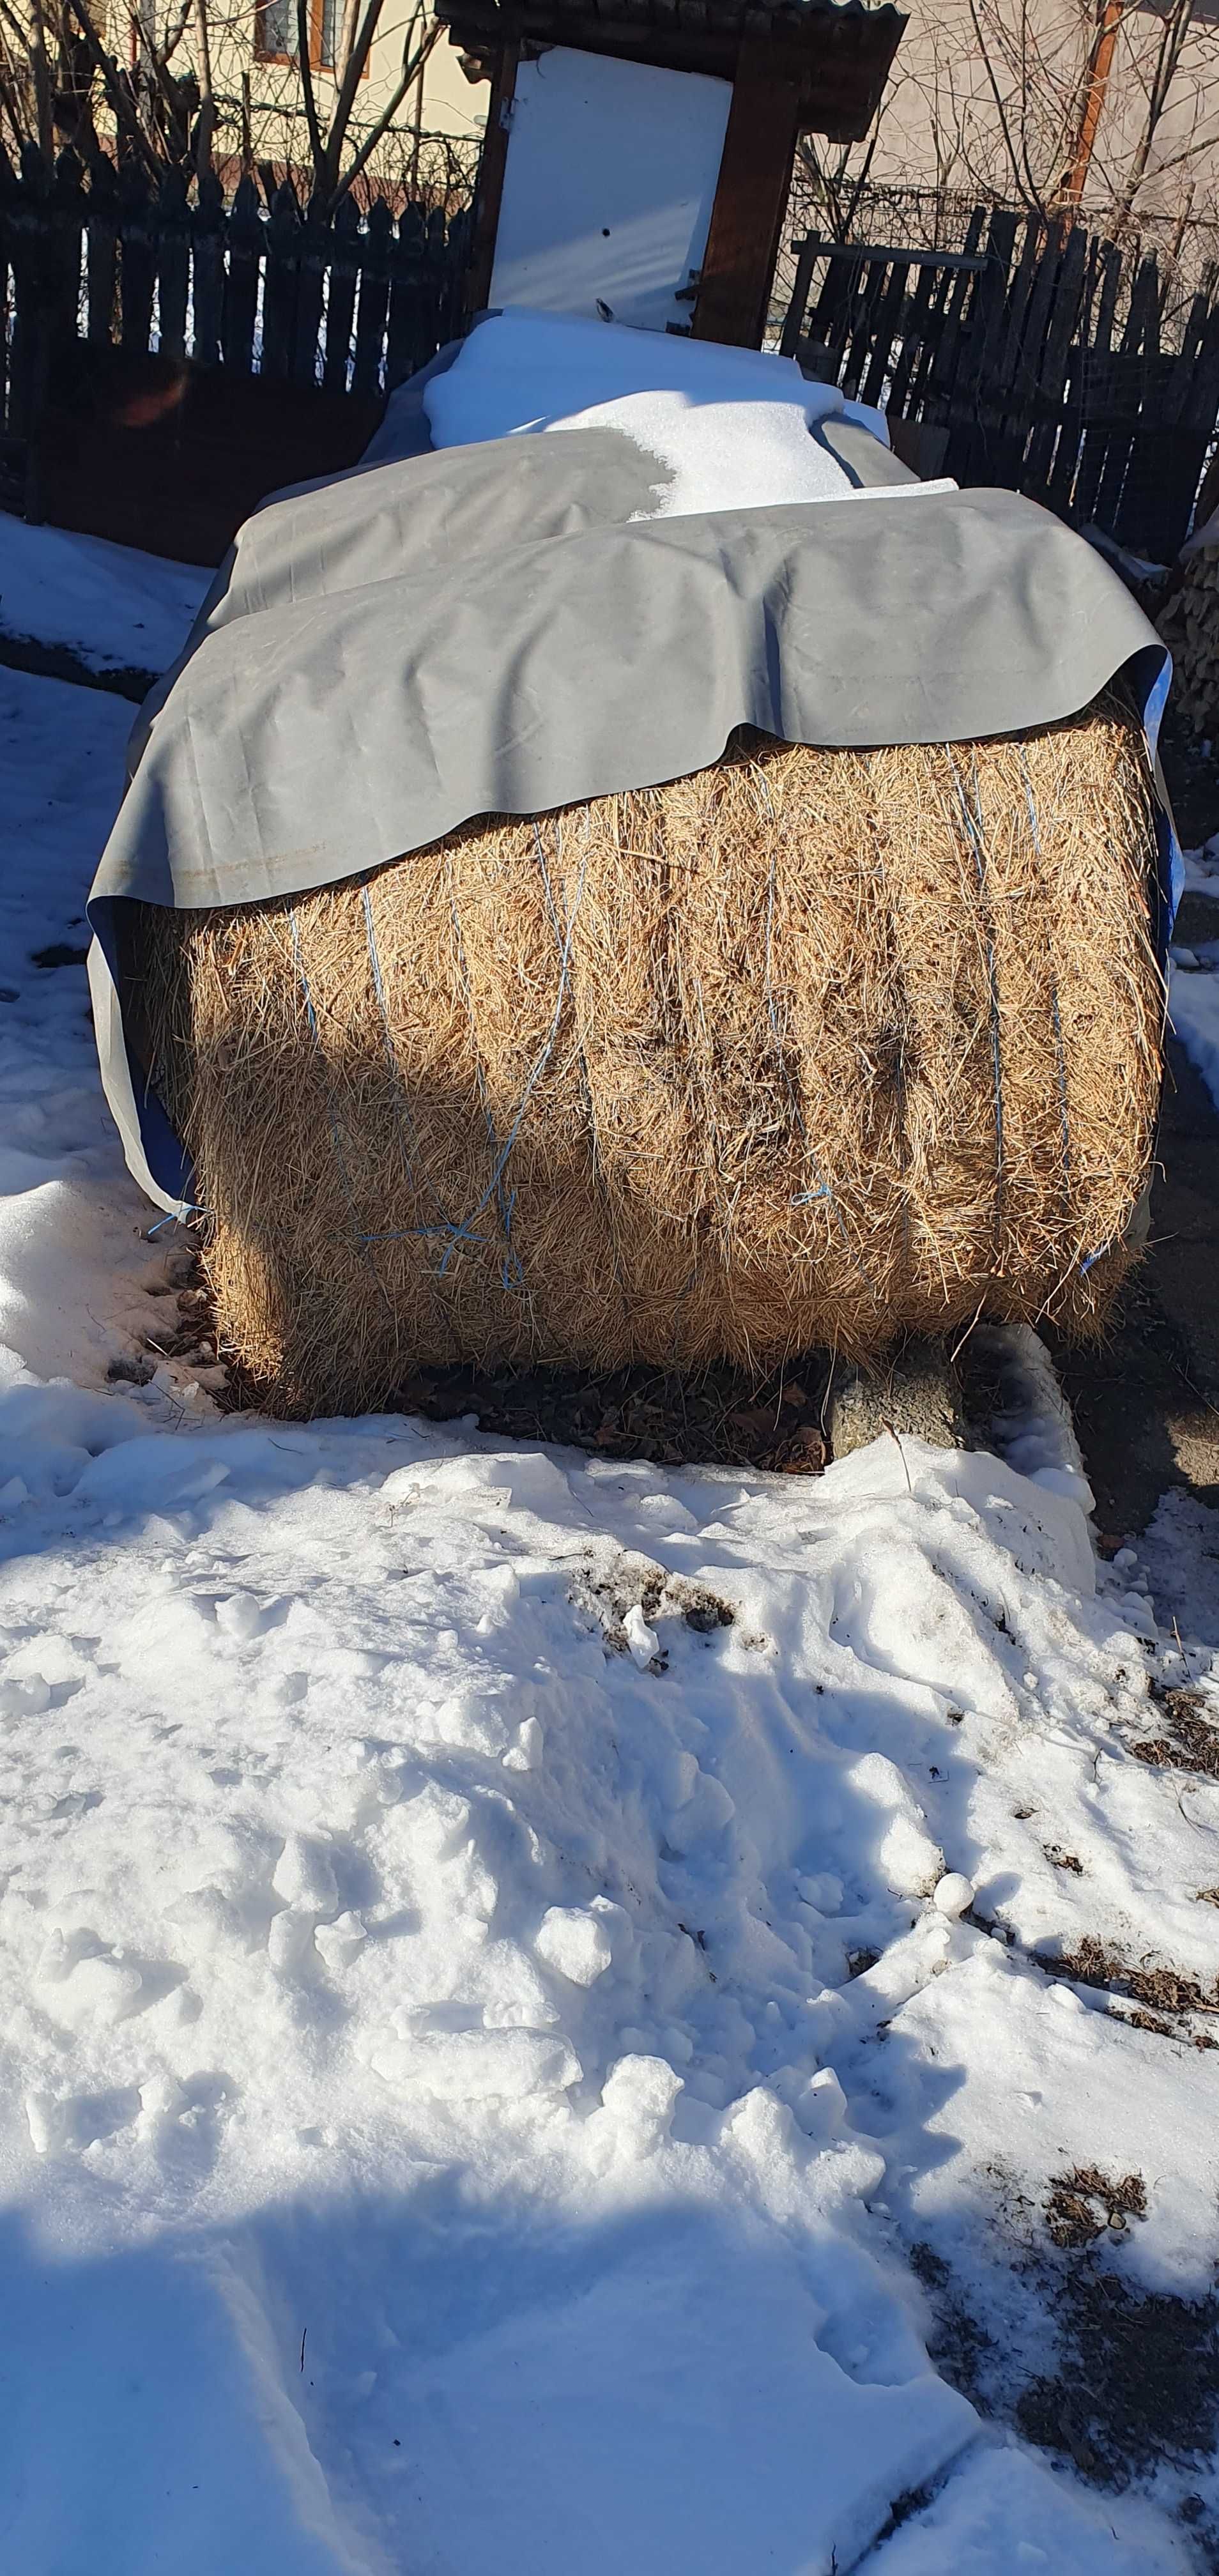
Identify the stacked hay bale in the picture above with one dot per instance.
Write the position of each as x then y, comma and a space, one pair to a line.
811, 1048
1189, 624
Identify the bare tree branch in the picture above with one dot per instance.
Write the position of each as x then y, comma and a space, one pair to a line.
316, 145
384, 121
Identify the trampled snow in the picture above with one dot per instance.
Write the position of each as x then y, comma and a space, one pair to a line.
730, 426
499, 2069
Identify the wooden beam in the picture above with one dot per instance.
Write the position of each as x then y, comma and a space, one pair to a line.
491, 177
750, 197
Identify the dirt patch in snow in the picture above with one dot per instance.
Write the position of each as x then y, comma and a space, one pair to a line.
1082, 2203
1138, 2378
1134, 2385
1189, 1743
1159, 1989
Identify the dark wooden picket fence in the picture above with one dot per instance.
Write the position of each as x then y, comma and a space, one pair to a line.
161, 338
1049, 359
168, 358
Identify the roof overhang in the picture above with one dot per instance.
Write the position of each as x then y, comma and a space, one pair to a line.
837, 52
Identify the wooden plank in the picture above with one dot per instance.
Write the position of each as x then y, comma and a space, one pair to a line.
207, 270
869, 295
312, 254
282, 235
888, 316
793, 321
916, 325
413, 323
937, 396
750, 197
1061, 478
341, 296
137, 259
1089, 472
1065, 293
374, 300
8, 187
933, 332
453, 269
1008, 353
243, 245
171, 232
490, 188
1142, 315
981, 325
103, 248
829, 322
64, 277
26, 204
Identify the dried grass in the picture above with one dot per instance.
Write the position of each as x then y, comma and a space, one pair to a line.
806, 1049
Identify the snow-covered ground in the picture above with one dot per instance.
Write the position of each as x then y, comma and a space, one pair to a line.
114, 609
556, 2015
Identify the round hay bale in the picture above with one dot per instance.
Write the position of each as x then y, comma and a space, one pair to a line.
809, 1049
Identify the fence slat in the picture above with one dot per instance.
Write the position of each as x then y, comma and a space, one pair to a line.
103, 218
240, 305
374, 299
341, 299
207, 271
282, 234
1094, 369
172, 222
8, 190
310, 291
793, 322
137, 260
1050, 426
1126, 373
408, 329
900, 400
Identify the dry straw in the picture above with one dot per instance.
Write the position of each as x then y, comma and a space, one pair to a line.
803, 1050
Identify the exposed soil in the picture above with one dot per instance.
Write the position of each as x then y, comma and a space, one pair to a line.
1083, 2203
1163, 1990
1132, 2383
1138, 2379
1189, 1744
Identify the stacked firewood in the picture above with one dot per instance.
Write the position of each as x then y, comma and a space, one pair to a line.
1189, 624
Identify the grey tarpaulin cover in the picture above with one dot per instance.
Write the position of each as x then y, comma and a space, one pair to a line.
497, 628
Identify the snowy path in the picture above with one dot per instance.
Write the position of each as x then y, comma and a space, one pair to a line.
488, 2082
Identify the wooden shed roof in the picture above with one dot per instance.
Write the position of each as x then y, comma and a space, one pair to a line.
839, 51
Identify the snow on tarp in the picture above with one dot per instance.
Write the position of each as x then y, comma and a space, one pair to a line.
735, 428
